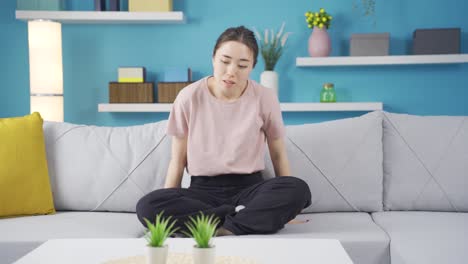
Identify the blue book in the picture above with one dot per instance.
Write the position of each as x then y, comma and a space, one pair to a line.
99, 5
114, 5
177, 74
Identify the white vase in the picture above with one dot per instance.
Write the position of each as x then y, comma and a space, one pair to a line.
204, 255
156, 255
269, 79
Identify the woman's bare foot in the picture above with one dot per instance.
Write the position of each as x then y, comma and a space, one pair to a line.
223, 232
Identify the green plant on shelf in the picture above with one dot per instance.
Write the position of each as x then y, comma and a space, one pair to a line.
271, 45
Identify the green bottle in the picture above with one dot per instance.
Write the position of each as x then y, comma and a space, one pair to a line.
328, 95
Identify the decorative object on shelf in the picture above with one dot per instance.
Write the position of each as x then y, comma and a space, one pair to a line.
168, 91
436, 41
52, 5
202, 228
131, 92
369, 44
269, 79
131, 74
328, 94
114, 5
174, 80
368, 6
271, 48
45, 69
319, 44
99, 5
150, 6
368, 9
156, 250
177, 74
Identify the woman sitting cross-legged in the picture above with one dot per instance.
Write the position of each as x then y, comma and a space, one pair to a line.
220, 126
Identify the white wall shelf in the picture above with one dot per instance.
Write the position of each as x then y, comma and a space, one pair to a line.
285, 107
316, 107
380, 60
103, 17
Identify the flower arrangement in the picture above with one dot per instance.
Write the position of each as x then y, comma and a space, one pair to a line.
272, 45
202, 228
318, 19
160, 230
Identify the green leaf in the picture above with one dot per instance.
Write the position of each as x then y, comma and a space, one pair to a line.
271, 51
202, 228
159, 231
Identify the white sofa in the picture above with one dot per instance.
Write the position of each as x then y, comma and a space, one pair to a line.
391, 187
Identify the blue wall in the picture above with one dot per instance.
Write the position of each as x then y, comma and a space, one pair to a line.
92, 53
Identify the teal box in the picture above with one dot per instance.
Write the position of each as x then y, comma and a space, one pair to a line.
80, 5
177, 74
53, 5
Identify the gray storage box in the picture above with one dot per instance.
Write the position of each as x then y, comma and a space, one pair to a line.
369, 44
436, 41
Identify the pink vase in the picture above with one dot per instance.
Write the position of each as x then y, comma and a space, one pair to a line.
319, 43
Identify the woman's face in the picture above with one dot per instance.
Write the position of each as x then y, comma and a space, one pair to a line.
232, 64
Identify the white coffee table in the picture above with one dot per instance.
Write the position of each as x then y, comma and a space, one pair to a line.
265, 250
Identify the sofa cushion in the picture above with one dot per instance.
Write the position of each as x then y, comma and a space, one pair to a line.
426, 237
364, 241
340, 160
425, 162
105, 168
24, 178
22, 234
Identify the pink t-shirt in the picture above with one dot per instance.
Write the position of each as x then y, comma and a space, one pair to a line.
225, 137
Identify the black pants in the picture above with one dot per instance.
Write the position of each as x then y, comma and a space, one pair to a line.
269, 204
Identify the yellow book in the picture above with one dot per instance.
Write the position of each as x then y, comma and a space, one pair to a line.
131, 74
131, 80
149, 5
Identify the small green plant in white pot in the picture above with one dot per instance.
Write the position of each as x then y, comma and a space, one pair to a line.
157, 251
202, 228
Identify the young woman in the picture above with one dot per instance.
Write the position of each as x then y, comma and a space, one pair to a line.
219, 127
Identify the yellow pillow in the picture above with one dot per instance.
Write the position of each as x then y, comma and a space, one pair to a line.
24, 177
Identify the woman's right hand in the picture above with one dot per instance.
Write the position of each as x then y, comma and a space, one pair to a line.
177, 163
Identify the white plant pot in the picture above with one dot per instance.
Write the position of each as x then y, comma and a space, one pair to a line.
269, 79
156, 255
204, 255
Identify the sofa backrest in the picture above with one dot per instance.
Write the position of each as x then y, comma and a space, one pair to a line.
425, 162
95, 168
340, 160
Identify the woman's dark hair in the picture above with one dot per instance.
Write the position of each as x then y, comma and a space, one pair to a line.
242, 35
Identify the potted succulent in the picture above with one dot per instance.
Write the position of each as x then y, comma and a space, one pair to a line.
202, 228
156, 250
